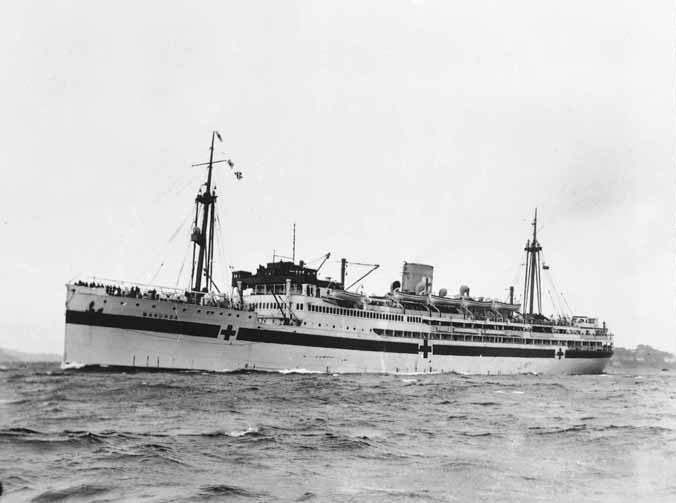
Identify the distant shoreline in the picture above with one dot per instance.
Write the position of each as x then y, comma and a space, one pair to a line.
11, 356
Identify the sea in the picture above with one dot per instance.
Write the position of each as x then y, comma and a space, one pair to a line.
287, 437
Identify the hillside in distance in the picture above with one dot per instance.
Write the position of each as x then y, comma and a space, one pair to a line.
10, 355
643, 356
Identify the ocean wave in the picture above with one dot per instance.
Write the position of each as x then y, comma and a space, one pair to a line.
72, 365
224, 491
11, 432
342, 442
81, 492
73, 438
249, 431
396, 495
463, 465
7, 401
652, 429
298, 371
548, 384
541, 430
163, 386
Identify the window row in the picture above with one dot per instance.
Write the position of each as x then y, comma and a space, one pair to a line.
487, 338
341, 311
273, 305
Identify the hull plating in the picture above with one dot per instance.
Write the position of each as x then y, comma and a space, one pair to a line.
109, 346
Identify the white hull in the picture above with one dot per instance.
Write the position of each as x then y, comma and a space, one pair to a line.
103, 346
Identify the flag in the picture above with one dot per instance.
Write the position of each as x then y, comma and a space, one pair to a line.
218, 135
231, 164
238, 175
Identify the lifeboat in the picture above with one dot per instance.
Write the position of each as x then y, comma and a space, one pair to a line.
505, 306
410, 297
343, 297
438, 300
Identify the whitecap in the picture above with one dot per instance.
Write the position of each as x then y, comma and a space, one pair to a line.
299, 371
409, 380
248, 431
71, 365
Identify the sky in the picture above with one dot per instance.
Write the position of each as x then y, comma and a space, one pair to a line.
388, 131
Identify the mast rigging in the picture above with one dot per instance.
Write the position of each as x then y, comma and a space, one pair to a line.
203, 236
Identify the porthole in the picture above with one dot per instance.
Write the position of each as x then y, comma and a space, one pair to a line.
238, 316
105, 301
173, 308
137, 304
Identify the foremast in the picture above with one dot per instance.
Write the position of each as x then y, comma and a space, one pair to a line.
203, 237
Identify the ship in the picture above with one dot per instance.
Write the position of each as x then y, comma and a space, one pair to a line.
285, 318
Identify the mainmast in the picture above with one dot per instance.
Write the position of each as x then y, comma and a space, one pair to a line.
203, 237
532, 290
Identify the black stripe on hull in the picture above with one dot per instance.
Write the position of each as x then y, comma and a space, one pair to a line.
584, 353
321, 341
138, 323
439, 349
